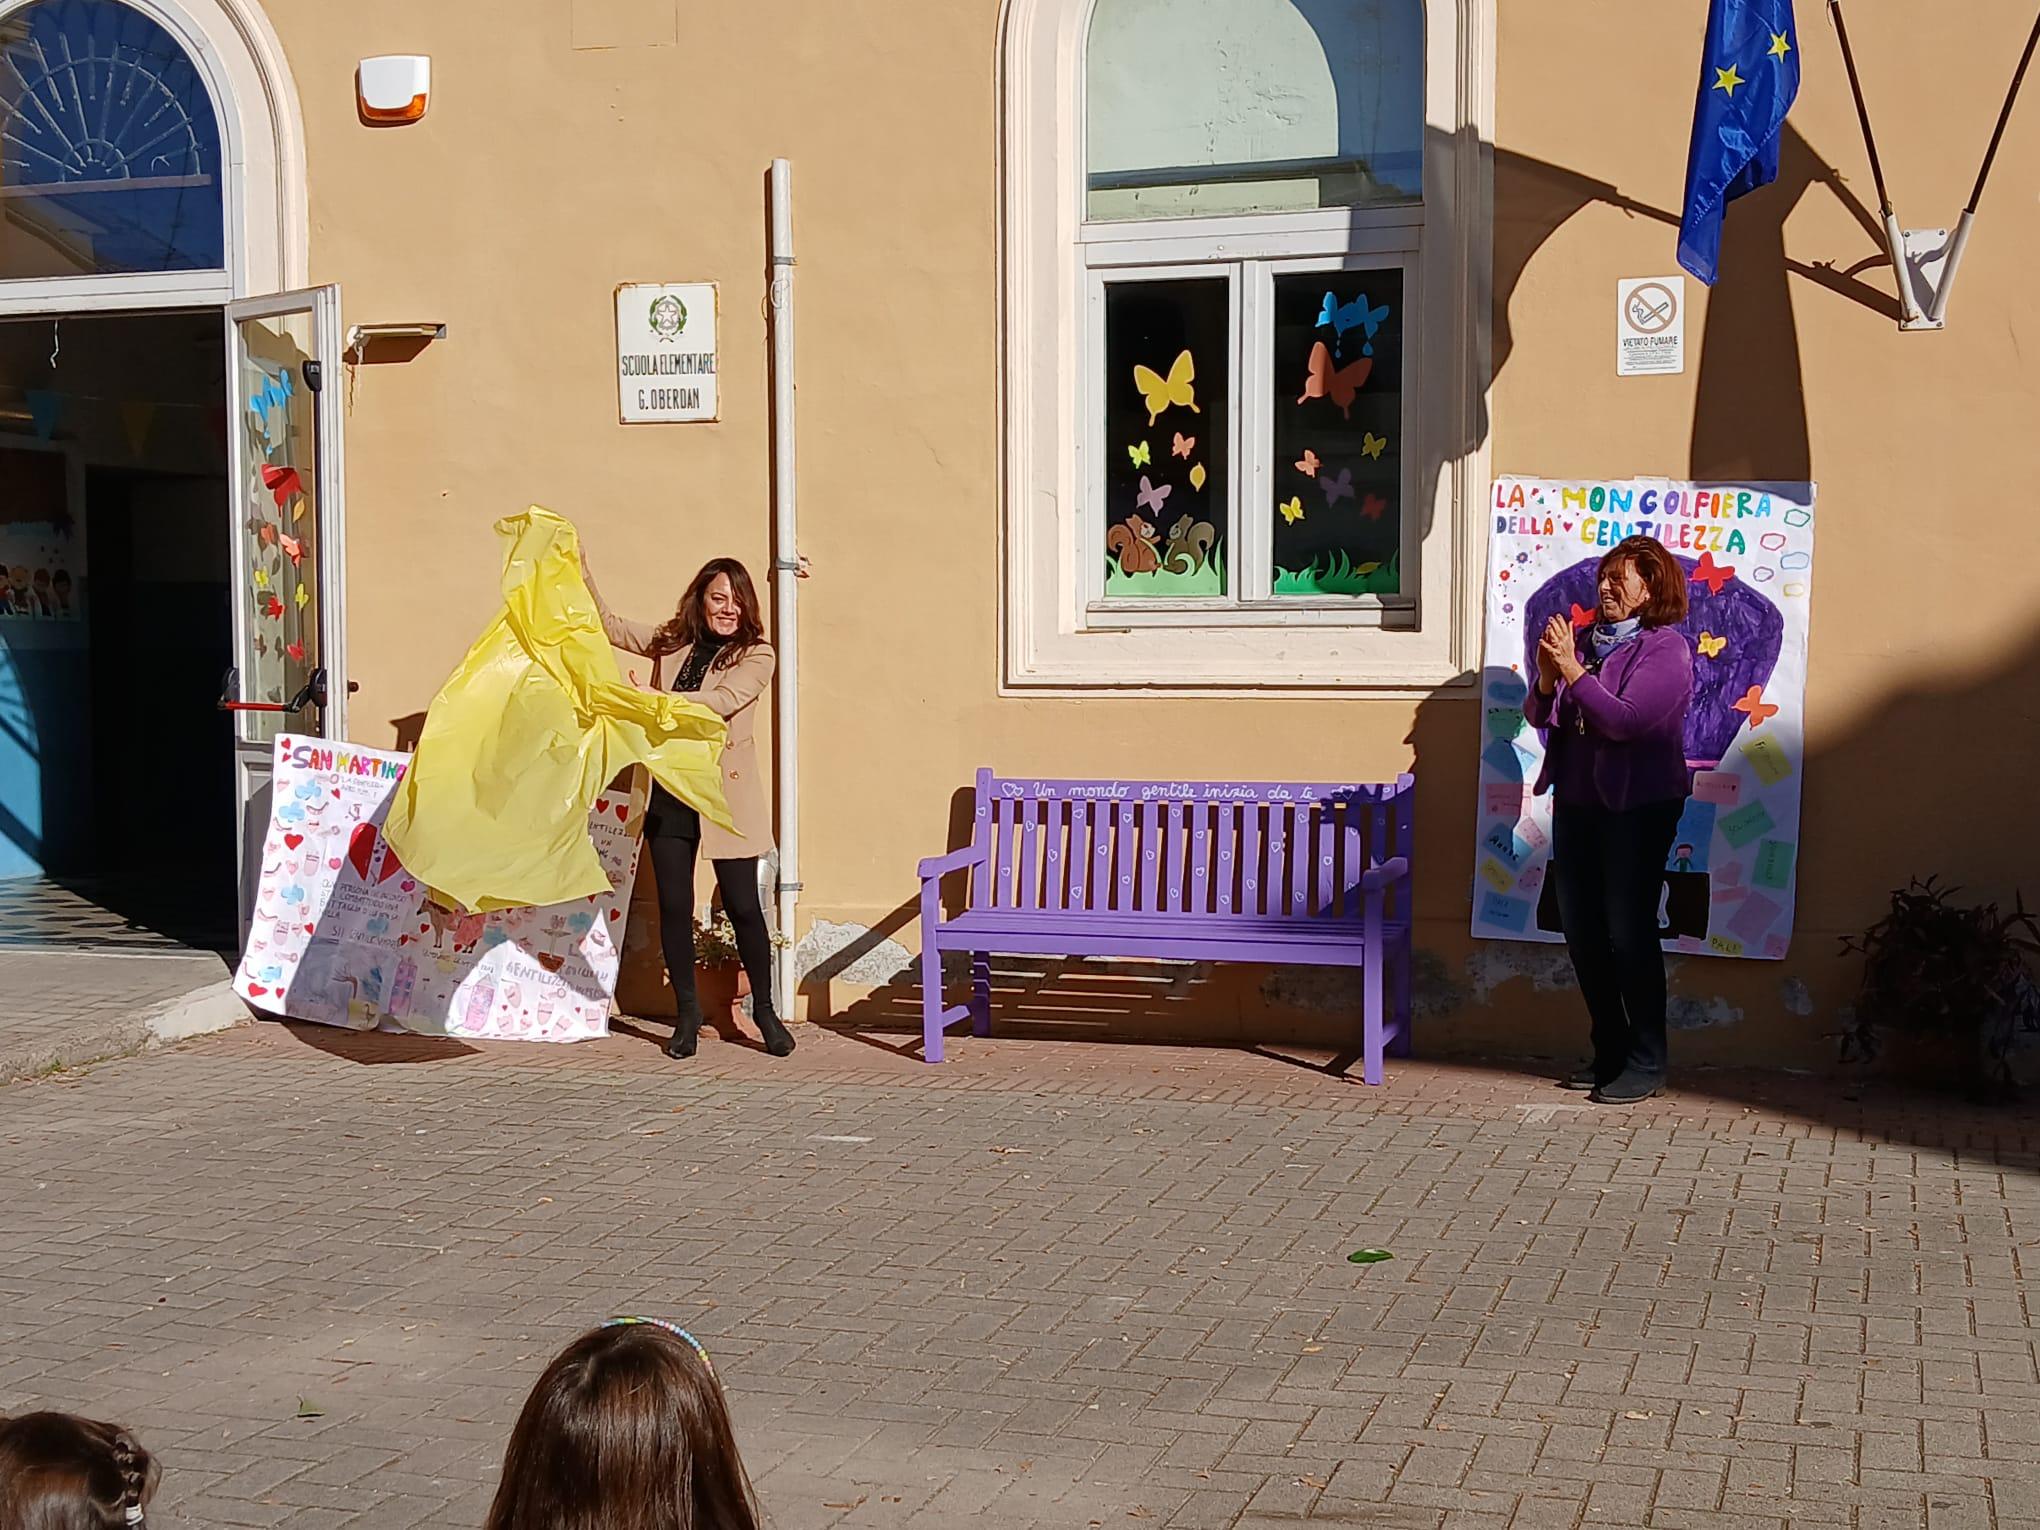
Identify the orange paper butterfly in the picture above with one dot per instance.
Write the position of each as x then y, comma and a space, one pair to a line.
1309, 464
1339, 384
1184, 445
1759, 710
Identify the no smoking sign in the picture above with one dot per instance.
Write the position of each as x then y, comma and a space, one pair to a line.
1650, 326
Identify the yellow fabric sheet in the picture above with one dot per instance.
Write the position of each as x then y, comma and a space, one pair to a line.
535, 722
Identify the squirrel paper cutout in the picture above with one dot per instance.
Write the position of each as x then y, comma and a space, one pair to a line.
1135, 545
1190, 544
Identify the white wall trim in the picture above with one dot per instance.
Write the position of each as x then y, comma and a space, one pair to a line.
1049, 642
241, 60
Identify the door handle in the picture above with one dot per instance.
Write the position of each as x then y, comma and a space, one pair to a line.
312, 693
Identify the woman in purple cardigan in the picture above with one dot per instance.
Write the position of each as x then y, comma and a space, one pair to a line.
1613, 705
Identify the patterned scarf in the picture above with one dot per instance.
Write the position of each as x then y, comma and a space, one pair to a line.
1609, 636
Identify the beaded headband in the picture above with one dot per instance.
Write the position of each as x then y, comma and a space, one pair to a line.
672, 1328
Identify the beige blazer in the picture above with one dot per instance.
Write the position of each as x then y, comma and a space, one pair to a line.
732, 694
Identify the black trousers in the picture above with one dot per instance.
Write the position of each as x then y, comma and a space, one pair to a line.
1609, 870
673, 858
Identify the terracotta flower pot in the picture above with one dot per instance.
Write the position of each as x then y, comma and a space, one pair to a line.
720, 990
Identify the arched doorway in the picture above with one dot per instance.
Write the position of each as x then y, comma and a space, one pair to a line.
169, 471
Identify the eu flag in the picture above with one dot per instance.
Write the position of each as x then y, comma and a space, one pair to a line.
1748, 78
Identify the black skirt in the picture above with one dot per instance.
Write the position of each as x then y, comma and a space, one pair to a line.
669, 818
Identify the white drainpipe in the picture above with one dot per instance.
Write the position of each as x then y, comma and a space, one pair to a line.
786, 583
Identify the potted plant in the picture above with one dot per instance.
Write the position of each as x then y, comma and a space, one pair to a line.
719, 976
1958, 976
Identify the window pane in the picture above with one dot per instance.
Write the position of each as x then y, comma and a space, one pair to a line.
280, 450
1167, 375
1338, 433
1225, 106
109, 151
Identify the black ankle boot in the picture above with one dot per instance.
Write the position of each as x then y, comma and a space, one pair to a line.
686, 1032
778, 1039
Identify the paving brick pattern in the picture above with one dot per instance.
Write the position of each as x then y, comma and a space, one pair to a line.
1066, 1286
63, 1008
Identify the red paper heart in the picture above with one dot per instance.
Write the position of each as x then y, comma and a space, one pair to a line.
360, 847
622, 811
311, 930
293, 840
613, 913
256, 990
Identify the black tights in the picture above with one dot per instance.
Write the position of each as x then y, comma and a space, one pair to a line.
1610, 871
673, 863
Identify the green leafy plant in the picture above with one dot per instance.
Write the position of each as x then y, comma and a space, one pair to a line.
1964, 974
1338, 574
1190, 584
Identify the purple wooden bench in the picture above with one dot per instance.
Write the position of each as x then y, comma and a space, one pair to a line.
1186, 871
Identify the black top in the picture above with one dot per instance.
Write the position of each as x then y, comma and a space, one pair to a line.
668, 817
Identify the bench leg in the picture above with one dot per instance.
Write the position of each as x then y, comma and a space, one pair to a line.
1405, 955
1373, 954
980, 994
931, 976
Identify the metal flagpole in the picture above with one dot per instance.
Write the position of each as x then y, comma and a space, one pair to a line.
1894, 241
1939, 308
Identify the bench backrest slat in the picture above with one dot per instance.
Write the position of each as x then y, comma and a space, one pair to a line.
1225, 858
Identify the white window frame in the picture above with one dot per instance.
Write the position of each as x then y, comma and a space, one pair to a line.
1060, 634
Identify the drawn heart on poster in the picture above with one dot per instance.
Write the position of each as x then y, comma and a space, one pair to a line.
360, 848
391, 866
333, 864
256, 990
293, 840
622, 810
613, 913
311, 930
407, 885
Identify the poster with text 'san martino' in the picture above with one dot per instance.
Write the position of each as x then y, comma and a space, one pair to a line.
1747, 551
341, 933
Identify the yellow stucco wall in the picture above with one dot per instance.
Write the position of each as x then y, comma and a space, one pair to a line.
545, 174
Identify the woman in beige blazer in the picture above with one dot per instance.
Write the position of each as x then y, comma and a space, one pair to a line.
712, 651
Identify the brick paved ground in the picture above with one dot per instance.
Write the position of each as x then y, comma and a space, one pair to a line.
1043, 1285
61, 1008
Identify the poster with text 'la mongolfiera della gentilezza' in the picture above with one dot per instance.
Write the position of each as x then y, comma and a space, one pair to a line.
1747, 551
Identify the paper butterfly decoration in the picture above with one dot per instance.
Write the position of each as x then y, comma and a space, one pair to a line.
274, 393
265, 534
1711, 646
1710, 573
1753, 704
1340, 317
303, 597
1140, 454
1372, 319
1339, 384
296, 651
1292, 511
1152, 495
1309, 464
1184, 445
1161, 393
272, 608
1581, 617
261, 644
1371, 506
262, 579
294, 550
1338, 488
1372, 445
1197, 476
282, 482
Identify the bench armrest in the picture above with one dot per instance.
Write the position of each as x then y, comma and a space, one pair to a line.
1388, 872
937, 866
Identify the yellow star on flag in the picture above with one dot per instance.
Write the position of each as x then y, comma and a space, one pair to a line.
1780, 45
1727, 79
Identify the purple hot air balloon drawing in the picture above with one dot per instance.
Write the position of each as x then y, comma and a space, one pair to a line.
1753, 630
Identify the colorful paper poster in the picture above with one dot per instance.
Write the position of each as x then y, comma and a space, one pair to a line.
343, 935
42, 572
1748, 555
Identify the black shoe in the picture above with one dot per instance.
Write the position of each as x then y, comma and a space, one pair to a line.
1629, 1089
682, 1042
1581, 1079
778, 1039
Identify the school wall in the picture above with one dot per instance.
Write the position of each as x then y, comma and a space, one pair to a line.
575, 144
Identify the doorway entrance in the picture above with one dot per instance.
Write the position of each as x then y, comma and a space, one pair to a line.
116, 767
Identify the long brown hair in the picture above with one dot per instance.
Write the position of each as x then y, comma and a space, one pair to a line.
1665, 604
626, 1430
689, 622
61, 1472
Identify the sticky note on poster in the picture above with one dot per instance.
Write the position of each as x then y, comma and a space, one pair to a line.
1504, 799
1771, 763
1495, 877
1510, 848
1754, 918
1505, 913
1746, 824
1505, 722
1775, 858
1717, 787
1722, 945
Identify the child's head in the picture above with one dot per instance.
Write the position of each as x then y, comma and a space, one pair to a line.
626, 1430
58, 1472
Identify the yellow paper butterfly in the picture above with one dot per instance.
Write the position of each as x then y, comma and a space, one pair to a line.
1373, 446
1197, 476
1711, 645
1140, 454
1163, 392
1292, 512
303, 595
261, 579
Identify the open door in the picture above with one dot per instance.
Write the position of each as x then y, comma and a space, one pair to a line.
286, 528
